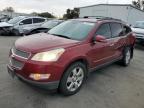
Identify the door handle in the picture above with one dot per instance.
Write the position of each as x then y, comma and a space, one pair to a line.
111, 45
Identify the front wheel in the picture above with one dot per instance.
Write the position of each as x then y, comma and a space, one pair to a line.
73, 79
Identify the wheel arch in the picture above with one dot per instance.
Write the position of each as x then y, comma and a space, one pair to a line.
80, 59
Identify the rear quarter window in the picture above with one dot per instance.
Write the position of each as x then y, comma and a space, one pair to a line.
126, 30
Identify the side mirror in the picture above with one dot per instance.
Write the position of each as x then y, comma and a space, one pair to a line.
21, 23
99, 38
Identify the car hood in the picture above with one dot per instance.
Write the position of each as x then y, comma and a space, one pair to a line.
42, 42
138, 30
5, 24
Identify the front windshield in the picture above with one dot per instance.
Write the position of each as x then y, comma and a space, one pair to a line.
15, 20
76, 30
139, 25
50, 24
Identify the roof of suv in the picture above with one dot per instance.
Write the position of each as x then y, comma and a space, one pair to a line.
86, 19
31, 17
96, 19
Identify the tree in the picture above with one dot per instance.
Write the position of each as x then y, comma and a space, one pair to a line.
9, 9
70, 14
34, 13
46, 14
139, 4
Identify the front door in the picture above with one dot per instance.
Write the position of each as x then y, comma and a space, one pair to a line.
101, 52
26, 23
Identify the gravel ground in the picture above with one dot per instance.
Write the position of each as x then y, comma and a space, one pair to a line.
111, 87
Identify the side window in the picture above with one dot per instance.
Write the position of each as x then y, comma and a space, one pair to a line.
104, 30
116, 29
26, 21
38, 20
126, 30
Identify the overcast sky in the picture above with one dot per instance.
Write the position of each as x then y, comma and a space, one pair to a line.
57, 7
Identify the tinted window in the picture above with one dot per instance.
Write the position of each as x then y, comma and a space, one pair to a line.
76, 30
27, 21
104, 30
116, 29
126, 30
38, 20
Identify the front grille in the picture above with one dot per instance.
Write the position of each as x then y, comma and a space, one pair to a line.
20, 53
15, 63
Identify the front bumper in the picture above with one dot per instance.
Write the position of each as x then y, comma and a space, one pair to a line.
46, 85
23, 67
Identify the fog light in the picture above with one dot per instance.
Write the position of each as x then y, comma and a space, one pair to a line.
39, 76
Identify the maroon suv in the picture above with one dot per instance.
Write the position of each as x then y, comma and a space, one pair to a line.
62, 58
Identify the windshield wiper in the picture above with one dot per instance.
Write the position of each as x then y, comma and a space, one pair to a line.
61, 36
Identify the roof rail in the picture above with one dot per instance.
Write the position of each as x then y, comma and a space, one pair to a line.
102, 18
93, 17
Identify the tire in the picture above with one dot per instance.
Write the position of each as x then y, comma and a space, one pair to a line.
127, 55
15, 32
71, 81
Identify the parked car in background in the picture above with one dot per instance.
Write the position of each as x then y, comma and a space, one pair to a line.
5, 18
138, 29
62, 58
43, 28
18, 23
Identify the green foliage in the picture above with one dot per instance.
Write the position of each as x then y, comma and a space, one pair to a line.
8, 9
46, 14
138, 4
70, 14
43, 14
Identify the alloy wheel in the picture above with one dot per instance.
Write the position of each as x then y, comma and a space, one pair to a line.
75, 79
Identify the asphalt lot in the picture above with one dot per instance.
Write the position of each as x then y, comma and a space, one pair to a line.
111, 87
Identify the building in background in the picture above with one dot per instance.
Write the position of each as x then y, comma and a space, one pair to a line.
125, 12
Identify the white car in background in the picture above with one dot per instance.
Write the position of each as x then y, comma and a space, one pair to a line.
21, 22
138, 29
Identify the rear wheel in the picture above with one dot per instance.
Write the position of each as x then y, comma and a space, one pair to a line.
127, 54
73, 79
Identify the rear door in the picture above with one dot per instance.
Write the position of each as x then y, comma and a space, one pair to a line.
117, 40
37, 22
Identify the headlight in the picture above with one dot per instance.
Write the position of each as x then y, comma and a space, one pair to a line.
52, 55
